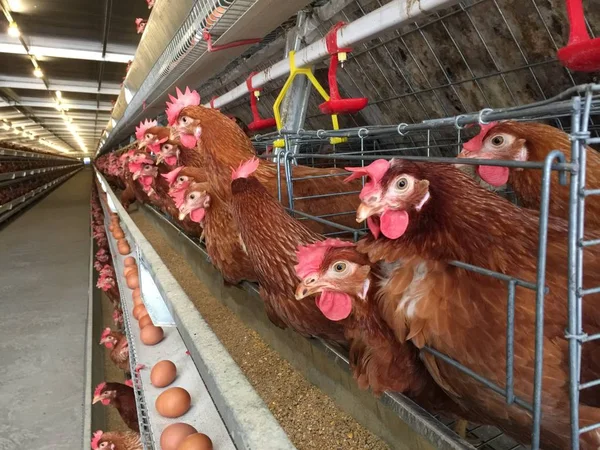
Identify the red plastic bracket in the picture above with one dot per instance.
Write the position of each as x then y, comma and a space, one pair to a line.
336, 104
215, 48
257, 123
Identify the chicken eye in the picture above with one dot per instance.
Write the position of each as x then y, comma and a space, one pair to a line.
180, 179
402, 184
192, 196
148, 136
339, 267
166, 148
147, 167
497, 140
185, 120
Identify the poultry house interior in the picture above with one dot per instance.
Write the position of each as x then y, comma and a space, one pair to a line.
311, 224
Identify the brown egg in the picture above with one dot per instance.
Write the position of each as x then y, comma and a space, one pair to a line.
174, 402
136, 293
174, 435
130, 261
124, 249
137, 301
132, 280
118, 233
163, 373
198, 441
128, 269
139, 311
145, 320
151, 335
111, 227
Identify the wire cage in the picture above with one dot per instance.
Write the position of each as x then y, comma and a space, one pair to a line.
438, 141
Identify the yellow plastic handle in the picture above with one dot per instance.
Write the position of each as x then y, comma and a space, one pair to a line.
294, 71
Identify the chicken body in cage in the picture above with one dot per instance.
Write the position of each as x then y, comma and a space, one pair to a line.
422, 217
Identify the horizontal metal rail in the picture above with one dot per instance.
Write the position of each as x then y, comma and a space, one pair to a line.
29, 154
27, 173
9, 209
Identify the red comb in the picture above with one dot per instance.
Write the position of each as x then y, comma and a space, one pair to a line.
245, 169
105, 333
375, 171
172, 175
99, 389
475, 144
310, 257
144, 125
189, 98
139, 367
96, 439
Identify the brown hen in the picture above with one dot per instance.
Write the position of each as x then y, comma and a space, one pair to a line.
423, 216
123, 440
347, 284
117, 343
121, 397
228, 255
516, 141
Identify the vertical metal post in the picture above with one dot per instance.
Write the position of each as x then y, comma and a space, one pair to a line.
540, 293
295, 103
510, 343
573, 329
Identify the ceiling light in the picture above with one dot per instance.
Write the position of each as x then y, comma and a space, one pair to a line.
13, 30
58, 95
38, 72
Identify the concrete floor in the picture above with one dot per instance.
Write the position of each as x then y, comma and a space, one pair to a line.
44, 282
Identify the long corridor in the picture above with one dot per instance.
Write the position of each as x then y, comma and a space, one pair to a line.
44, 283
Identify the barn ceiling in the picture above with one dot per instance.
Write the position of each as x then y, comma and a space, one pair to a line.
61, 71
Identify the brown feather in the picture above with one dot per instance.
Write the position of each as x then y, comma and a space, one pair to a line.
463, 314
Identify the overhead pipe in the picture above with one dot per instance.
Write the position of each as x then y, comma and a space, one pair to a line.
389, 16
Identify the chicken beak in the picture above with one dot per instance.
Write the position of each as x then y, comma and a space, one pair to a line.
364, 212
97, 398
182, 213
142, 143
159, 158
136, 175
305, 289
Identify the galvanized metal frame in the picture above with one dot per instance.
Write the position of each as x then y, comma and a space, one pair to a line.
11, 208
577, 104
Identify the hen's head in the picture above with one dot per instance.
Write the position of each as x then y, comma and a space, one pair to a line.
194, 122
108, 338
396, 192
195, 202
496, 140
168, 153
334, 271
153, 136
183, 119
102, 441
104, 393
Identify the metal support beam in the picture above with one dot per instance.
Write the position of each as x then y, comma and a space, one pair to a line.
89, 87
42, 103
295, 103
44, 46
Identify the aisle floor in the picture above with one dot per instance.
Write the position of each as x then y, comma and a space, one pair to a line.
44, 282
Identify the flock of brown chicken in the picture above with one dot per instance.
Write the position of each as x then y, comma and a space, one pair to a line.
394, 292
